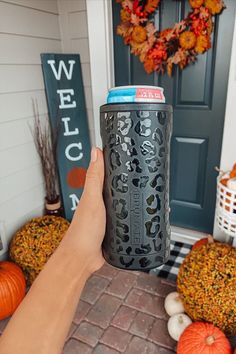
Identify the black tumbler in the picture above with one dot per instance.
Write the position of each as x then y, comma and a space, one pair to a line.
136, 146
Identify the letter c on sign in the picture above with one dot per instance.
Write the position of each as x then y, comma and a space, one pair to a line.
74, 158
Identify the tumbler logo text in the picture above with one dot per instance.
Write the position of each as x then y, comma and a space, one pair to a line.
135, 217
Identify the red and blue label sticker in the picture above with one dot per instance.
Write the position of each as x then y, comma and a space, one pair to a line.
125, 94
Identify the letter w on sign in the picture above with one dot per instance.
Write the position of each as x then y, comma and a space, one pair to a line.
66, 107
62, 67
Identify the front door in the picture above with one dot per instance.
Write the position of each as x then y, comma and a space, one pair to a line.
198, 95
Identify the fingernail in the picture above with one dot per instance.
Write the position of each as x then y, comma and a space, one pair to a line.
94, 154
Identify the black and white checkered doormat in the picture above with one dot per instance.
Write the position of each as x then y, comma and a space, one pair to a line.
178, 251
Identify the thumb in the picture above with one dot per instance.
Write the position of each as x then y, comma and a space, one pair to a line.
95, 174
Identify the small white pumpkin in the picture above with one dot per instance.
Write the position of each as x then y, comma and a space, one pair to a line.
231, 184
177, 324
173, 304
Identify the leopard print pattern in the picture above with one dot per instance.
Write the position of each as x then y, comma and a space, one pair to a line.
136, 189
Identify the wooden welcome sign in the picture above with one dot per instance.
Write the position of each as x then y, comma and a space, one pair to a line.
67, 114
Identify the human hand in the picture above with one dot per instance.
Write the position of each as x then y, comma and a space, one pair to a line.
64, 276
87, 228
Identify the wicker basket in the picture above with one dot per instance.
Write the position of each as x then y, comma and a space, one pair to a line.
226, 207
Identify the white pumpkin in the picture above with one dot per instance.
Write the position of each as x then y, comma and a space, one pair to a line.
177, 324
231, 184
173, 304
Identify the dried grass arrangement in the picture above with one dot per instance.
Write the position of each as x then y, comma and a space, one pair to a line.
46, 144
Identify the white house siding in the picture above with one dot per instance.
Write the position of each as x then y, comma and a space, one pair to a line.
74, 36
27, 28
228, 152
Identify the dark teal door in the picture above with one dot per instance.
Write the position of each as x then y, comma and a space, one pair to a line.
198, 96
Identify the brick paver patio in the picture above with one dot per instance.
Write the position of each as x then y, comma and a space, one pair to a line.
120, 312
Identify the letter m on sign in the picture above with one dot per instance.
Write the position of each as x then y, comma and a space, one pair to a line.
68, 117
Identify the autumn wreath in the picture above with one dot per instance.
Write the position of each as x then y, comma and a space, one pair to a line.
179, 45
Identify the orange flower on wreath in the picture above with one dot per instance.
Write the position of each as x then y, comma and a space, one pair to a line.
214, 6
149, 65
139, 34
198, 26
209, 26
203, 43
167, 34
187, 40
158, 52
195, 4
151, 5
125, 15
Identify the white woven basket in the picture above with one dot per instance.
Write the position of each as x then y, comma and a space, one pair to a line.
226, 207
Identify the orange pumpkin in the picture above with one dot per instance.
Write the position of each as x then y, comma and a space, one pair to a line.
199, 243
224, 181
204, 338
12, 288
233, 171
203, 241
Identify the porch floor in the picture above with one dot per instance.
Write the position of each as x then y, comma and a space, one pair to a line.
120, 312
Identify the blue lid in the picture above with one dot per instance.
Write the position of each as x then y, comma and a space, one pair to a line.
135, 94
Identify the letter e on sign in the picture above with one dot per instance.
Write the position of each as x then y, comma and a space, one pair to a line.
65, 96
